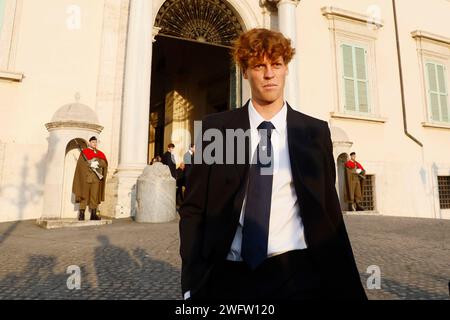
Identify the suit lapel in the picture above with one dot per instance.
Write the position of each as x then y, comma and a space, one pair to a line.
304, 156
240, 120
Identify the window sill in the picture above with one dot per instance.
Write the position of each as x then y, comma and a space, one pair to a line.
369, 118
11, 76
436, 125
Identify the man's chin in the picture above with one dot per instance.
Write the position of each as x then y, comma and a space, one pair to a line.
267, 100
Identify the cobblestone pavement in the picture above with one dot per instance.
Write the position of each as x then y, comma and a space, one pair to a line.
127, 260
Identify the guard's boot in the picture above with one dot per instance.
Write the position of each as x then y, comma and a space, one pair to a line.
360, 207
94, 215
81, 215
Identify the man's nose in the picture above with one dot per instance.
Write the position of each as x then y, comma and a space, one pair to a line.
269, 72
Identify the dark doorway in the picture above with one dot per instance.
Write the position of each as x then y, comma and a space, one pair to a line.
190, 79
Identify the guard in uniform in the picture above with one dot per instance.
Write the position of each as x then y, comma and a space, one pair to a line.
90, 179
354, 178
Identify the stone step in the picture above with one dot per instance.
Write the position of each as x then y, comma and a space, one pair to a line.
70, 223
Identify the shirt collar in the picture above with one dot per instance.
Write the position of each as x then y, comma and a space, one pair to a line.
279, 120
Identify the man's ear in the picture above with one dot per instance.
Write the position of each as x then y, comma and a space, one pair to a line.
245, 74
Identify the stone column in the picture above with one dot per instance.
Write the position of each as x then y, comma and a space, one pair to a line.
136, 106
268, 8
287, 22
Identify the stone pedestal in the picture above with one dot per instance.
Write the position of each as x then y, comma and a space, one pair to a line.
156, 194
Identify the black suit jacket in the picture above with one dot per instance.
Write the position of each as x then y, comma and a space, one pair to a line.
215, 193
168, 160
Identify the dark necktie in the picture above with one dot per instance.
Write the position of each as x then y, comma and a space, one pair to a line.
255, 232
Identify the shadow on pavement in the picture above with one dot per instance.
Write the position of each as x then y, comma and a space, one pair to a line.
120, 275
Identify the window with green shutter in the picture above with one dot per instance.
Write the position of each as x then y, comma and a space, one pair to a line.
355, 79
2, 13
437, 92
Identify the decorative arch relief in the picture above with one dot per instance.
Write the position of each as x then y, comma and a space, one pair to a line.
211, 21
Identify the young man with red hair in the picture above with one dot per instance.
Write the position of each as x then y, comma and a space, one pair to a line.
270, 227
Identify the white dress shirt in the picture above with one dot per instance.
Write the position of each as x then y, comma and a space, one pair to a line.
285, 227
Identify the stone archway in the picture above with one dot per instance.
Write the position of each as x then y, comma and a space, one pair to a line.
134, 114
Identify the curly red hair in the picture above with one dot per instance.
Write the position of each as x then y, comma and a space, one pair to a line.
252, 46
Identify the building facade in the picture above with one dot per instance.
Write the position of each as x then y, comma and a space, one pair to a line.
138, 73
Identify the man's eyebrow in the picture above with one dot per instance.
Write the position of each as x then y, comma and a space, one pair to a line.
254, 64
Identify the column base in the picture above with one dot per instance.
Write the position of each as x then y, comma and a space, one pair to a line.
125, 181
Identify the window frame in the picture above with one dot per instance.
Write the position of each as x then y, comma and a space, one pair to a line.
435, 48
368, 44
362, 30
354, 46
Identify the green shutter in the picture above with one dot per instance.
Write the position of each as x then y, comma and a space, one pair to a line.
356, 85
348, 60
360, 57
444, 108
442, 85
350, 103
432, 89
432, 77
362, 96
434, 102
438, 92
441, 79
349, 82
